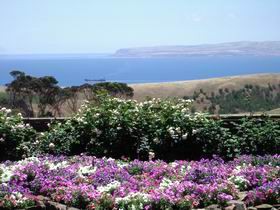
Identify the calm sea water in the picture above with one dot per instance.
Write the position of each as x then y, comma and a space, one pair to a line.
139, 70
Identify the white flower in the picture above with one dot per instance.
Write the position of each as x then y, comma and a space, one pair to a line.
178, 130
185, 136
156, 140
171, 132
184, 110
85, 170
6, 175
20, 126
18, 195
3, 109
165, 183
97, 131
239, 181
122, 164
151, 155
132, 196
195, 131
51, 145
109, 187
174, 164
55, 166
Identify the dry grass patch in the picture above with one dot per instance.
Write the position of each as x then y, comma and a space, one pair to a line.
186, 88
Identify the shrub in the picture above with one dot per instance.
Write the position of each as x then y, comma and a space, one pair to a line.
15, 136
125, 128
118, 128
258, 136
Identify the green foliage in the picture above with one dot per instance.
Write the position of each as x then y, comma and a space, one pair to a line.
258, 136
118, 128
4, 99
214, 138
25, 91
248, 99
114, 89
124, 128
250, 136
15, 136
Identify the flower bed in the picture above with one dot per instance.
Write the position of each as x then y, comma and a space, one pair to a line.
87, 182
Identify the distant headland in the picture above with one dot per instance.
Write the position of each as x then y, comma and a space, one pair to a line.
266, 48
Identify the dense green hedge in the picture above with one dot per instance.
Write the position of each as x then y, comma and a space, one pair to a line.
124, 128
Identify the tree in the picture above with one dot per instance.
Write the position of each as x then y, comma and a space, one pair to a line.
27, 91
47, 91
115, 89
21, 92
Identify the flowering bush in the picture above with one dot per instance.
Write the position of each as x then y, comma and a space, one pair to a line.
166, 128
90, 183
118, 128
14, 135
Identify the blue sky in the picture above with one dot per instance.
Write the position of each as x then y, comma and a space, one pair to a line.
101, 26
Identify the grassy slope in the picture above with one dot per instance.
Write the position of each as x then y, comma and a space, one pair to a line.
274, 111
184, 88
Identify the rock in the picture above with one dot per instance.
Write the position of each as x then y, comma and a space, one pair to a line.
41, 205
213, 207
29, 208
252, 208
239, 205
42, 198
55, 206
276, 206
231, 207
72, 208
264, 207
242, 196
36, 208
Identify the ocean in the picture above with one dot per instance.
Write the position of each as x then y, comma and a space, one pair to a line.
74, 71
